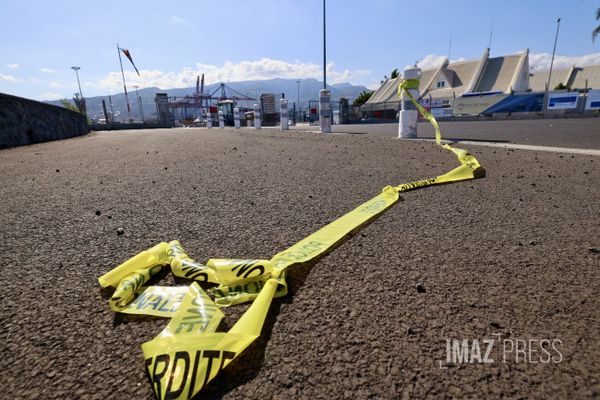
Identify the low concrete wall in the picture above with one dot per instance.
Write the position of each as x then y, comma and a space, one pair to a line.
24, 121
126, 126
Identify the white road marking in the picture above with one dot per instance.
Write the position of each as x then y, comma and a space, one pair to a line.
552, 149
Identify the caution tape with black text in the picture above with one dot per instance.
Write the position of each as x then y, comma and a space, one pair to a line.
189, 352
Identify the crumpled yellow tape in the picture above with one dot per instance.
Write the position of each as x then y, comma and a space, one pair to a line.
189, 352
159, 301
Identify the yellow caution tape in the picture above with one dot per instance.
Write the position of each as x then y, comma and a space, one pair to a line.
183, 266
129, 286
159, 301
156, 256
189, 352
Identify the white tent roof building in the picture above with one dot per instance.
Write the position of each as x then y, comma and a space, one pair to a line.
505, 74
576, 78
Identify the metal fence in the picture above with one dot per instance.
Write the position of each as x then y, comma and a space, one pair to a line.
385, 110
352, 115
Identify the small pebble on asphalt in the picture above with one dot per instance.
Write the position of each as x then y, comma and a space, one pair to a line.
98, 212
420, 288
120, 231
496, 325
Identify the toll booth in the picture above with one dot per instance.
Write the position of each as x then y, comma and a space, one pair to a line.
227, 106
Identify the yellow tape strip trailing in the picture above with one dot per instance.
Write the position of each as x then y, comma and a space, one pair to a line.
189, 352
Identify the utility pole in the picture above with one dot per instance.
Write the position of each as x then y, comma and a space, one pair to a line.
552, 62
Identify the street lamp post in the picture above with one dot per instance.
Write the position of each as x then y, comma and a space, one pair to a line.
299, 108
324, 94
139, 99
324, 50
76, 69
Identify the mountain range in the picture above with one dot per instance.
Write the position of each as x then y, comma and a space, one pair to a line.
309, 90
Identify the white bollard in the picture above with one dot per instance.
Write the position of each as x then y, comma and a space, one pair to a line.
257, 121
407, 121
236, 118
325, 110
285, 122
208, 120
221, 120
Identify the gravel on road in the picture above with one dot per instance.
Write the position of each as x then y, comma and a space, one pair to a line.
511, 257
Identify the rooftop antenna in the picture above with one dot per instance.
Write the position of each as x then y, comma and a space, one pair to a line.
491, 32
450, 46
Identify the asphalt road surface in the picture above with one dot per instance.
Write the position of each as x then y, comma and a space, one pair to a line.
577, 133
510, 259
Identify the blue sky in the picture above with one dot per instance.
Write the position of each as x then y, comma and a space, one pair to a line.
173, 41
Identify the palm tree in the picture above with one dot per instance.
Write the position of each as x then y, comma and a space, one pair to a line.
596, 31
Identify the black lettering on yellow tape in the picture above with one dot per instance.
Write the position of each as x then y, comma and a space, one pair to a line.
245, 268
177, 367
181, 371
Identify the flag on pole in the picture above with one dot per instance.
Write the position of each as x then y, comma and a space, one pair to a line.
128, 55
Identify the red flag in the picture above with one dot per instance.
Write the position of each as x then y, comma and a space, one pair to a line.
126, 52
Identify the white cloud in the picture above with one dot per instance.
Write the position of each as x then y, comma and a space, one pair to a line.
373, 85
13, 66
541, 61
47, 70
9, 78
433, 60
180, 23
50, 96
55, 85
264, 68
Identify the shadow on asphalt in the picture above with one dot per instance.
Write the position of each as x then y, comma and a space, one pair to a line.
455, 140
479, 140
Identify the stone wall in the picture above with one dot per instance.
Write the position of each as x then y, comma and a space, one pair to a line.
24, 121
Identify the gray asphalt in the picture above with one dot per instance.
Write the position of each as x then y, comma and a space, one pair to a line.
512, 256
577, 133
